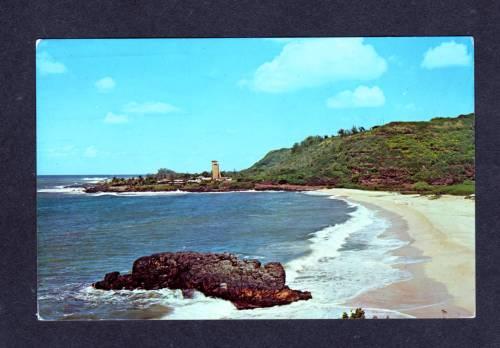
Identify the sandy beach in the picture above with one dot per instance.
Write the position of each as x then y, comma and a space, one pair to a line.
441, 240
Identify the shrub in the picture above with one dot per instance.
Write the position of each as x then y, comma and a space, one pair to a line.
462, 189
422, 186
359, 313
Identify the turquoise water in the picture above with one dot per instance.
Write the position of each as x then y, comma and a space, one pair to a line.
81, 237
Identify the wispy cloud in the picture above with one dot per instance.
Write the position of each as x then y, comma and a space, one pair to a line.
150, 108
134, 109
304, 63
46, 64
105, 84
361, 97
63, 151
114, 118
446, 54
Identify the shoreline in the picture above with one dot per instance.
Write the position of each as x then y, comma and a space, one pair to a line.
104, 188
439, 254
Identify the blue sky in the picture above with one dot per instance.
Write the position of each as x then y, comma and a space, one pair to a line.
131, 106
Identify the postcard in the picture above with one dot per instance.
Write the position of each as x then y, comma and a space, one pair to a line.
255, 178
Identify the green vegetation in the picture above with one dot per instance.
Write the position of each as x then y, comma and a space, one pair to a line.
435, 157
168, 180
465, 188
357, 314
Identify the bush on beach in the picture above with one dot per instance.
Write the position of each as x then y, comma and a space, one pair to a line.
359, 313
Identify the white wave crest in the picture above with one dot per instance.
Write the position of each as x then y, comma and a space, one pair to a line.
139, 194
331, 273
95, 179
344, 260
62, 189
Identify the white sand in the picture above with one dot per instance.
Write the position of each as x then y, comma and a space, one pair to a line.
442, 233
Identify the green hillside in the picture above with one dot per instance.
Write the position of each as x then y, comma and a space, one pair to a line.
433, 155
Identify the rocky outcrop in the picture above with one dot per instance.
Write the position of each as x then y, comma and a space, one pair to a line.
286, 187
232, 187
246, 283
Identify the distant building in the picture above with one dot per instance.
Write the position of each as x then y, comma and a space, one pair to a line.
194, 181
215, 171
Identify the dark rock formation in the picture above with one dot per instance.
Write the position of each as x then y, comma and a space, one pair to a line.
95, 188
246, 283
265, 186
286, 187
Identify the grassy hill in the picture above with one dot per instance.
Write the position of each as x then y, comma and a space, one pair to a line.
435, 156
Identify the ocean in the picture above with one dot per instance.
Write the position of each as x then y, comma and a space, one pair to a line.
328, 246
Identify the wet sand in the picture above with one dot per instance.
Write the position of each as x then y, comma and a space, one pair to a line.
440, 254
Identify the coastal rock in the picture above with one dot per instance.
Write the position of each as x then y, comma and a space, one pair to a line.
286, 187
246, 283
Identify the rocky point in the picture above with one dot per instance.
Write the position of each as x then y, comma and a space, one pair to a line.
246, 283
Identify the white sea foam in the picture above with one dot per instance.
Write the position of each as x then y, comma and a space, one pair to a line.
224, 192
95, 179
62, 189
139, 194
333, 274
80, 190
163, 296
344, 260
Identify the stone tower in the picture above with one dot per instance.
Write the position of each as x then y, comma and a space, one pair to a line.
215, 170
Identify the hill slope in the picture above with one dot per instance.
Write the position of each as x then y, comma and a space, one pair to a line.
398, 155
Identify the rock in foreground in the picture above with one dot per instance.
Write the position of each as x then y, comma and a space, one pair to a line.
245, 283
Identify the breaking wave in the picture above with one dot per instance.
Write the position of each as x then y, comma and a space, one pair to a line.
332, 271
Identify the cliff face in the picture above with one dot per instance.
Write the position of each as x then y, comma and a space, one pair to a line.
396, 155
246, 283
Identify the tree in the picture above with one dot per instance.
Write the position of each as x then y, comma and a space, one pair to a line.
354, 130
164, 173
362, 129
341, 132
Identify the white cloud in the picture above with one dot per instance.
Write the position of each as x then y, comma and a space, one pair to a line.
105, 84
149, 108
46, 64
139, 109
63, 151
114, 118
445, 55
306, 63
361, 97
90, 152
